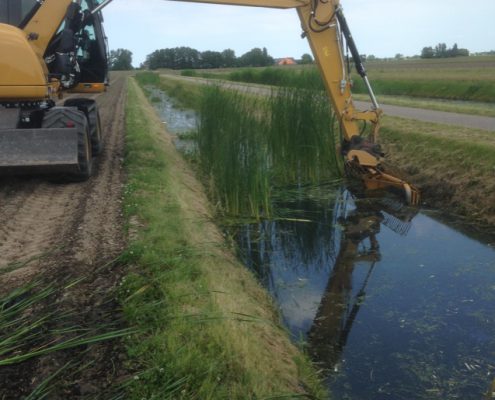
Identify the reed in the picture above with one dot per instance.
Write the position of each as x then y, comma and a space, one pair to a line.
247, 146
233, 151
301, 137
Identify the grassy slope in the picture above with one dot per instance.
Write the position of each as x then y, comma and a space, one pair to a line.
209, 330
453, 166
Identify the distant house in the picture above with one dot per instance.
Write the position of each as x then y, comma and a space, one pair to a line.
286, 61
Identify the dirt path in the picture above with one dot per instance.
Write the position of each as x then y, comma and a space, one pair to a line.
70, 231
39, 216
439, 117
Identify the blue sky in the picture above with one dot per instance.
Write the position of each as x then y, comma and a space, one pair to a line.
380, 27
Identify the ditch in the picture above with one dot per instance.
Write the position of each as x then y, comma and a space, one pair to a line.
390, 302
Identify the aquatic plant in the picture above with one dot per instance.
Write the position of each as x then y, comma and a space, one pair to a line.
248, 145
233, 151
301, 137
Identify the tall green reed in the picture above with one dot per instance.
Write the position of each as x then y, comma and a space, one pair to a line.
301, 137
233, 151
249, 145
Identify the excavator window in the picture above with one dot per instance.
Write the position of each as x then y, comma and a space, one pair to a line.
13, 12
92, 56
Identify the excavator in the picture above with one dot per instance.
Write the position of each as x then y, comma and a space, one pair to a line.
54, 46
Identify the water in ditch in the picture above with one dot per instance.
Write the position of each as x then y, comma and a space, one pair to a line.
389, 302
180, 122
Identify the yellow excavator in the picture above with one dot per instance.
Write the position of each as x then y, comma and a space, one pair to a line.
53, 46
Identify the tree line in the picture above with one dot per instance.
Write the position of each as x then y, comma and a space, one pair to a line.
441, 51
189, 58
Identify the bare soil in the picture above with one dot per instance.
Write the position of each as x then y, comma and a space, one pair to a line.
69, 231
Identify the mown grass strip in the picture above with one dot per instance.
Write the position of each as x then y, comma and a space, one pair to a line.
211, 332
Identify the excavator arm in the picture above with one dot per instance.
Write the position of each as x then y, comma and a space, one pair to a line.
324, 25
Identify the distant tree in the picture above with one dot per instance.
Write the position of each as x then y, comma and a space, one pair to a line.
441, 50
228, 58
306, 59
120, 60
256, 58
399, 56
371, 57
211, 59
454, 51
186, 58
427, 52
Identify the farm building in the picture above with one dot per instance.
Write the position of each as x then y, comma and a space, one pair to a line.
286, 61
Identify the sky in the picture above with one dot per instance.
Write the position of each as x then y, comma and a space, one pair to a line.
383, 28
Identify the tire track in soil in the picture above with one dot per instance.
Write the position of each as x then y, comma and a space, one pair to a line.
37, 216
79, 225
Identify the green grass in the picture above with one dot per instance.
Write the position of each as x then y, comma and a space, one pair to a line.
468, 79
209, 330
468, 90
453, 167
454, 153
233, 151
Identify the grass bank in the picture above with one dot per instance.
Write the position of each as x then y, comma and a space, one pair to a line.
454, 167
209, 331
463, 78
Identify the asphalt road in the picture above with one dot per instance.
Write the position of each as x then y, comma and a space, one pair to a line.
438, 117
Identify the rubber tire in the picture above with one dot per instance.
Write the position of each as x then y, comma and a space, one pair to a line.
90, 108
58, 117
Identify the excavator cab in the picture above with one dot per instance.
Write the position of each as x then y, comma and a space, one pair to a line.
92, 55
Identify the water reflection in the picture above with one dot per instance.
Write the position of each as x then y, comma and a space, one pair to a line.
392, 305
338, 309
